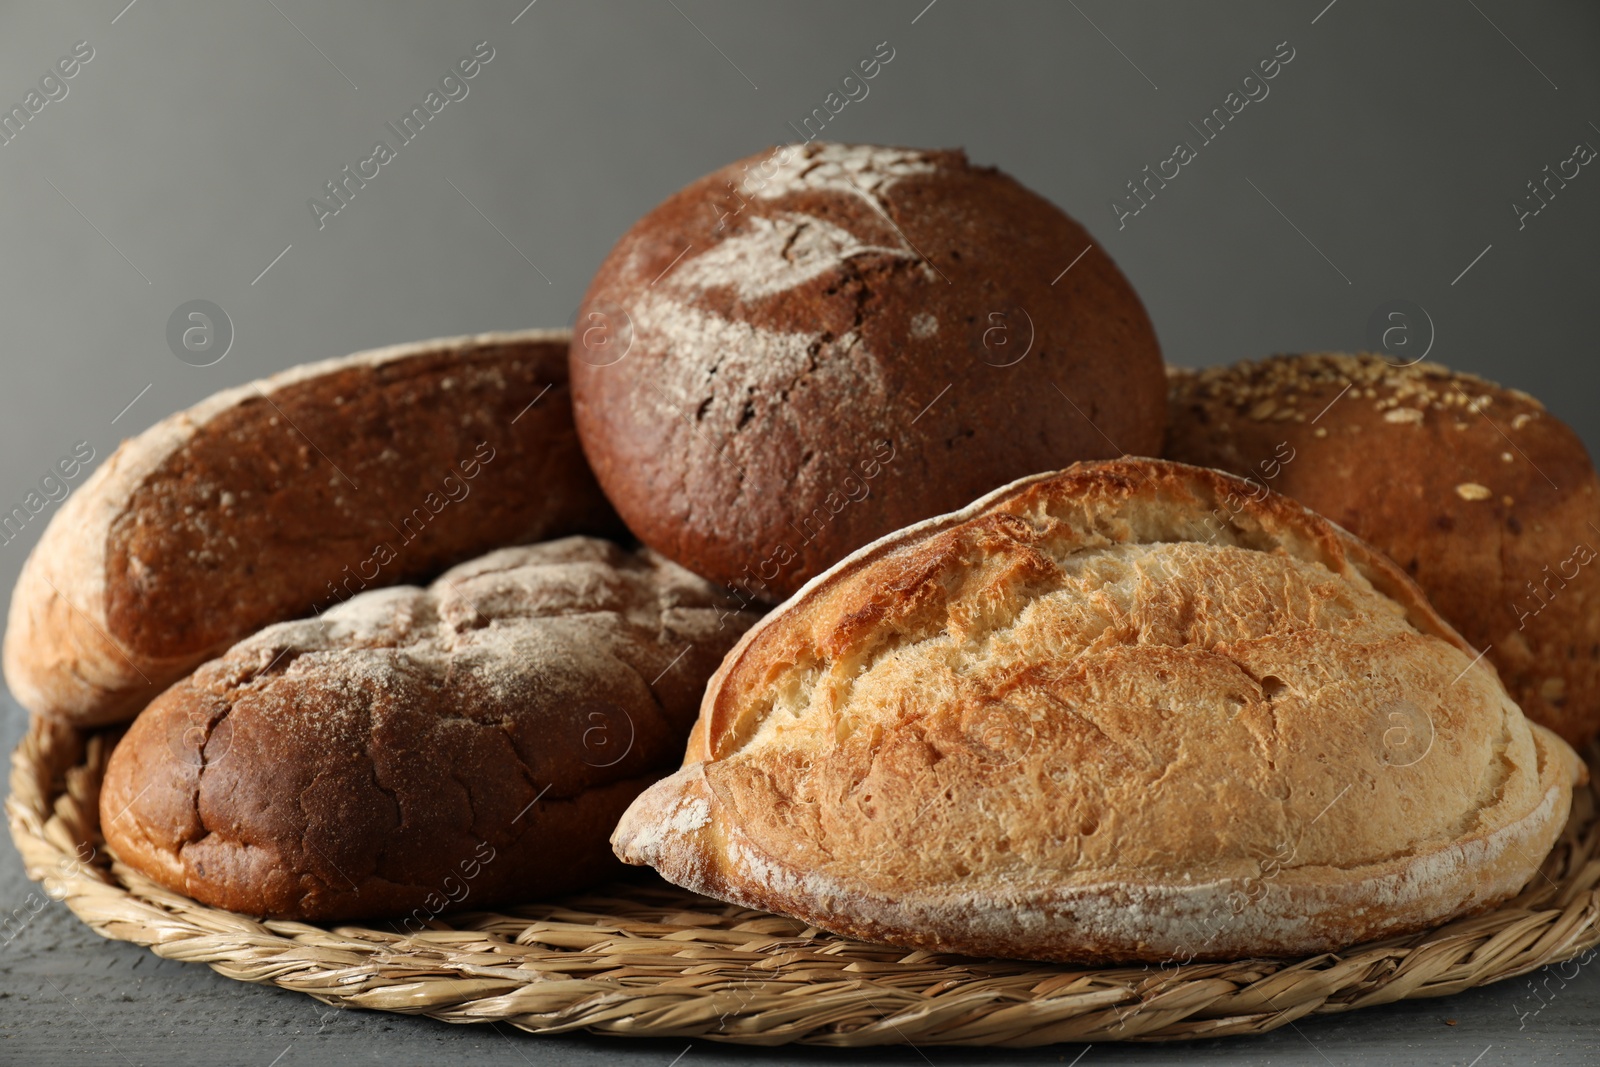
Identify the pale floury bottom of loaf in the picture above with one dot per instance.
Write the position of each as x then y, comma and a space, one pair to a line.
1103, 714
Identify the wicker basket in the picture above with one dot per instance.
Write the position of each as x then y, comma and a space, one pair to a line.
645, 959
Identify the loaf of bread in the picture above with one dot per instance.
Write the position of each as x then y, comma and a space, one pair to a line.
1104, 715
815, 346
278, 498
416, 749
1490, 502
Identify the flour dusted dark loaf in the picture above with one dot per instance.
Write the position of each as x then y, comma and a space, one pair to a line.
269, 501
1490, 502
416, 749
818, 345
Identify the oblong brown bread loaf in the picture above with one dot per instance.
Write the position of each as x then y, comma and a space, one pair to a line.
416, 749
274, 499
1490, 502
1099, 715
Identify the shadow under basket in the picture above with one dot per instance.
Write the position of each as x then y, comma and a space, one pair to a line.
646, 959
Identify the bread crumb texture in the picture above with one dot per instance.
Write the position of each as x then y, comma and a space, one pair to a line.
1126, 711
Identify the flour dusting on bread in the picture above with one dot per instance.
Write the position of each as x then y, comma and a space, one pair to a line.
770, 255
346, 765
859, 169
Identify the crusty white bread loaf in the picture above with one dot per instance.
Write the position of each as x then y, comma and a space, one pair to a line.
277, 498
417, 749
1119, 712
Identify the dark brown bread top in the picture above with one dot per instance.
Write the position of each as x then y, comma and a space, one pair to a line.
815, 346
1485, 498
415, 749
275, 499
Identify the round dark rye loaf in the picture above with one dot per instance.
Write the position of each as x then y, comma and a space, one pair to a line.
271, 500
460, 745
812, 347
1490, 502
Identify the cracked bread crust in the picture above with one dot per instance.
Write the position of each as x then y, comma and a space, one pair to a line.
416, 749
1102, 715
267, 501
824, 343
1490, 502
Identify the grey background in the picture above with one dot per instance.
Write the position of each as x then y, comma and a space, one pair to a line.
181, 161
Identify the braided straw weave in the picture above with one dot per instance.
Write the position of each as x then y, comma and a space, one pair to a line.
648, 959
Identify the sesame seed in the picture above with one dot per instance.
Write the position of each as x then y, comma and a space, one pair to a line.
1473, 491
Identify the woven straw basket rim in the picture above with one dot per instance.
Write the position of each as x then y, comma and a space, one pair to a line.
650, 960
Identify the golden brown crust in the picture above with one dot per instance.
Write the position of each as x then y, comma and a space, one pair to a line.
1264, 912
1108, 714
272, 500
798, 379
467, 743
1485, 498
